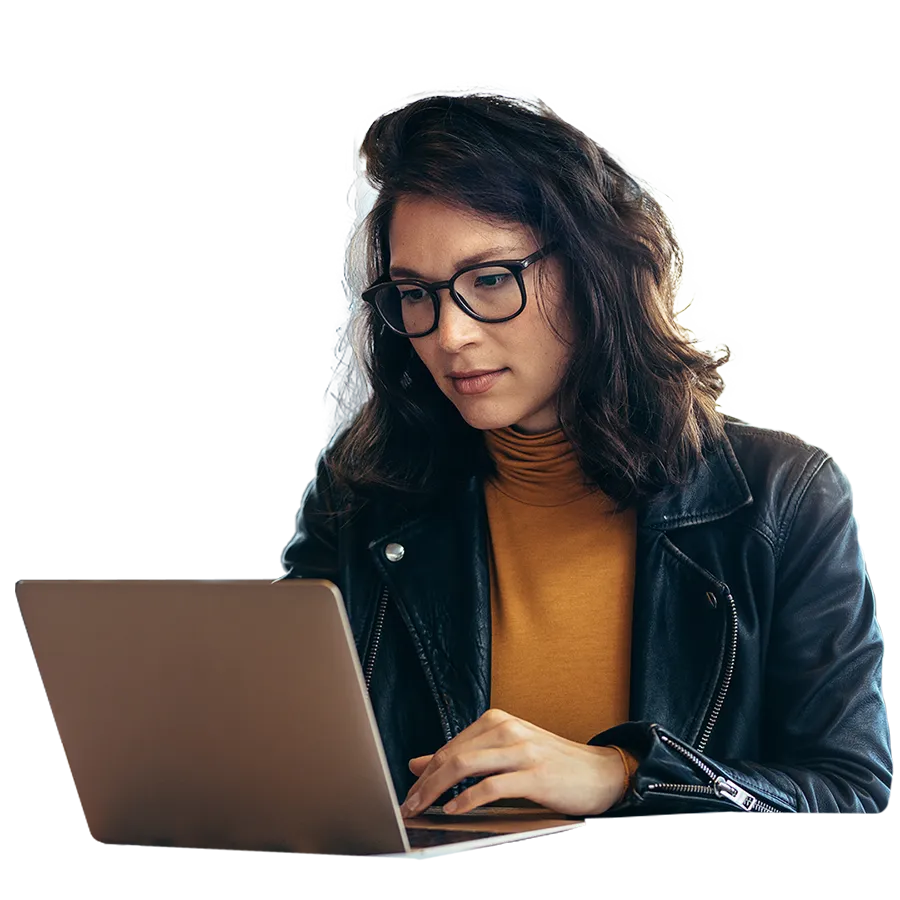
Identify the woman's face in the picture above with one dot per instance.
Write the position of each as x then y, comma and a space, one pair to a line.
431, 239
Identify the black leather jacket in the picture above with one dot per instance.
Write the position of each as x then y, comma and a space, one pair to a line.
756, 656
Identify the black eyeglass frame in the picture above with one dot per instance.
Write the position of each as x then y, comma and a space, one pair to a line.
516, 266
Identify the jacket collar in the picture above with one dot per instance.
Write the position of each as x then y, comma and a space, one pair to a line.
717, 489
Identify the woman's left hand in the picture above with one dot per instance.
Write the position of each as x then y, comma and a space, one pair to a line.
523, 760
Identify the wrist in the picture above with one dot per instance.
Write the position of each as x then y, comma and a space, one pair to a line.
615, 775
626, 770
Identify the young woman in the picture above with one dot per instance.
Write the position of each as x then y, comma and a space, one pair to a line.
569, 577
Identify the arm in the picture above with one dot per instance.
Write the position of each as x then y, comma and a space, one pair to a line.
825, 731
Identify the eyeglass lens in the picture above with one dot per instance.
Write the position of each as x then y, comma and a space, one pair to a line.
492, 292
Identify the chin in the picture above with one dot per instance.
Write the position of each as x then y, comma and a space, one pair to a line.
487, 420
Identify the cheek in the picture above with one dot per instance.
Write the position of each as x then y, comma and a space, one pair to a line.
558, 340
543, 344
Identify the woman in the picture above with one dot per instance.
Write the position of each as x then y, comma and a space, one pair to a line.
569, 577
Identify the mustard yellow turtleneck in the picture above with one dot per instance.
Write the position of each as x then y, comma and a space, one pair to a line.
562, 582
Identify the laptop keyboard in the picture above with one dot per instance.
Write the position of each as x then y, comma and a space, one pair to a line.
436, 837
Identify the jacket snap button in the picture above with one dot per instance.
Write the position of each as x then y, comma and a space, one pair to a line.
394, 552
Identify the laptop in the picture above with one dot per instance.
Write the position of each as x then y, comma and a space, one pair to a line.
231, 715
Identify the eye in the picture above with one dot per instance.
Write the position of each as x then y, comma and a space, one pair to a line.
411, 294
492, 279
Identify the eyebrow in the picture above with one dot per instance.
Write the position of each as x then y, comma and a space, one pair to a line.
492, 253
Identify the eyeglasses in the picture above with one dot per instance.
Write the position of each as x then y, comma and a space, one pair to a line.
488, 291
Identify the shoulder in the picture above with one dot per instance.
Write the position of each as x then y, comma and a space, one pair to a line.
784, 473
772, 460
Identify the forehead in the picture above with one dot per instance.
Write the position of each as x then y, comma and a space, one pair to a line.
431, 227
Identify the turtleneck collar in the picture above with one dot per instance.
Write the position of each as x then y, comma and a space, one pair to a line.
536, 469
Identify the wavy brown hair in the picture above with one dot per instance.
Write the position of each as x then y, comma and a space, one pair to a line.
638, 399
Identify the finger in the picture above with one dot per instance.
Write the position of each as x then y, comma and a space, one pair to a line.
519, 783
466, 764
418, 763
505, 728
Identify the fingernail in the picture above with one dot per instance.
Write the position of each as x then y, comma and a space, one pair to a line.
412, 803
451, 806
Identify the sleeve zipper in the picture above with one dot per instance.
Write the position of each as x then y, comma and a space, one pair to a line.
719, 786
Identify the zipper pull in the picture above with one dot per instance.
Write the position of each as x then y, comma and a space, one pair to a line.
728, 790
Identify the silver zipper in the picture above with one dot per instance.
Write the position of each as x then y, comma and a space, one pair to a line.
702, 766
682, 788
376, 637
729, 671
370, 665
716, 707
719, 785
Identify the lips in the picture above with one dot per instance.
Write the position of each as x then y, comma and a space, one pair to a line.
477, 384
473, 373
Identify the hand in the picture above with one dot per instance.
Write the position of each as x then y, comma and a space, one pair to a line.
524, 761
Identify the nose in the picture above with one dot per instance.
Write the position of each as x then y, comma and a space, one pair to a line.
455, 327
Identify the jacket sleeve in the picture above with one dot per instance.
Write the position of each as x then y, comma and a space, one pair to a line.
313, 550
825, 733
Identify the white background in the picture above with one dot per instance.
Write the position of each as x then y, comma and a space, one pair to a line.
175, 197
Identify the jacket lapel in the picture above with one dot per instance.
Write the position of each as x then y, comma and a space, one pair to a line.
441, 587
680, 620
